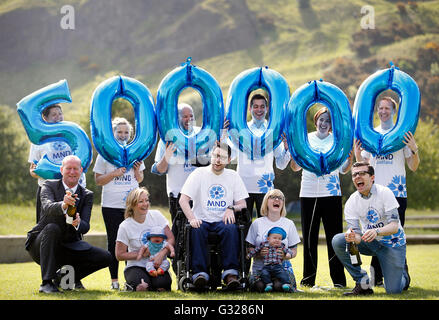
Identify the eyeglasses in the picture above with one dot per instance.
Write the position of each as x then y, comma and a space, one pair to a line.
359, 173
276, 198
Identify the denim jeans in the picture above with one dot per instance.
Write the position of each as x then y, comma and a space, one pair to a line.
392, 261
277, 271
229, 236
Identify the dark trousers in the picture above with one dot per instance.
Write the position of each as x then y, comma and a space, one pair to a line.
374, 263
113, 217
229, 236
134, 276
255, 200
51, 255
38, 205
274, 271
329, 211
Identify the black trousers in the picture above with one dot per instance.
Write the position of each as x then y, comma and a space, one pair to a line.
38, 205
51, 255
134, 276
374, 263
329, 211
255, 200
113, 217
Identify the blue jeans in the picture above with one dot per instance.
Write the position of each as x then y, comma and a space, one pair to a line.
228, 233
392, 261
277, 271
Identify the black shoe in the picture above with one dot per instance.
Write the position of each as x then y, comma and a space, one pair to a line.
232, 282
200, 282
359, 291
49, 287
79, 286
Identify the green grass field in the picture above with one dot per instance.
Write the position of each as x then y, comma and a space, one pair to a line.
20, 281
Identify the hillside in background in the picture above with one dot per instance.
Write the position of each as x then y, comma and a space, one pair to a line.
303, 40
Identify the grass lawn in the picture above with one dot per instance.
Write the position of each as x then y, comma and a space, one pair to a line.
20, 281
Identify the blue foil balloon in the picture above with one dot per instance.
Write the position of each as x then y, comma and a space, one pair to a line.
242, 137
145, 121
342, 127
408, 114
188, 75
39, 131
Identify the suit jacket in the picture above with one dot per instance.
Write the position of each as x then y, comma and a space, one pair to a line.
52, 195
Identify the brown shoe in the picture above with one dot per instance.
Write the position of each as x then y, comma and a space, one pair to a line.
232, 282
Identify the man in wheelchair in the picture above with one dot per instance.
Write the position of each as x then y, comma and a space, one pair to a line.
217, 193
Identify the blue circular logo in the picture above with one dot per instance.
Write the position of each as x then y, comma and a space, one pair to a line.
217, 192
372, 216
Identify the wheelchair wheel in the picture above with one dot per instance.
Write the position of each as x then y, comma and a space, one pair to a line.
183, 284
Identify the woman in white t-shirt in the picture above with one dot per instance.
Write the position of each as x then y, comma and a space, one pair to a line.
273, 214
133, 235
320, 199
116, 184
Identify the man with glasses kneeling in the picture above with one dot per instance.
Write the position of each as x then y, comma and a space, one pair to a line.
373, 224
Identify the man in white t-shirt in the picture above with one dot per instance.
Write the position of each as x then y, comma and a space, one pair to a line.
373, 224
258, 174
56, 151
216, 193
390, 169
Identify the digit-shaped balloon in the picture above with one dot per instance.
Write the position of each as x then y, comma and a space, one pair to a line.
145, 121
408, 114
188, 75
242, 137
39, 131
342, 127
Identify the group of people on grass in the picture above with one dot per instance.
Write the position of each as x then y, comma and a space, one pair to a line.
209, 196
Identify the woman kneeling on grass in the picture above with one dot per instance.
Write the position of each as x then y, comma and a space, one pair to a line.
133, 235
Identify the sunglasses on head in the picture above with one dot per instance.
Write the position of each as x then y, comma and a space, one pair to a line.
276, 198
359, 173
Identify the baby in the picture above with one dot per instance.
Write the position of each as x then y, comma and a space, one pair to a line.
273, 267
156, 242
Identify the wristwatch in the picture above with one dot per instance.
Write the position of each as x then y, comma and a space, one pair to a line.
231, 208
377, 230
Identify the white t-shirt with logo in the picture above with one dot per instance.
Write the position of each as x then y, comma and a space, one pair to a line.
115, 192
134, 234
178, 170
258, 174
371, 213
258, 234
56, 151
313, 186
212, 194
390, 169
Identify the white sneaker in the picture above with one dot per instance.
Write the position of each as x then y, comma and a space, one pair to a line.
115, 285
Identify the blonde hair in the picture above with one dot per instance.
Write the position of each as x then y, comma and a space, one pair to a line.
132, 200
264, 206
118, 121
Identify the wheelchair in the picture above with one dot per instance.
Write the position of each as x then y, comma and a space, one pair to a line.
182, 258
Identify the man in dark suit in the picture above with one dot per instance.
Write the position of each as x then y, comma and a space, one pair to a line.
56, 241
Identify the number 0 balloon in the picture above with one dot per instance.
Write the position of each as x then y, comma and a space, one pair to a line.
39, 131
100, 121
241, 136
342, 127
408, 114
188, 75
